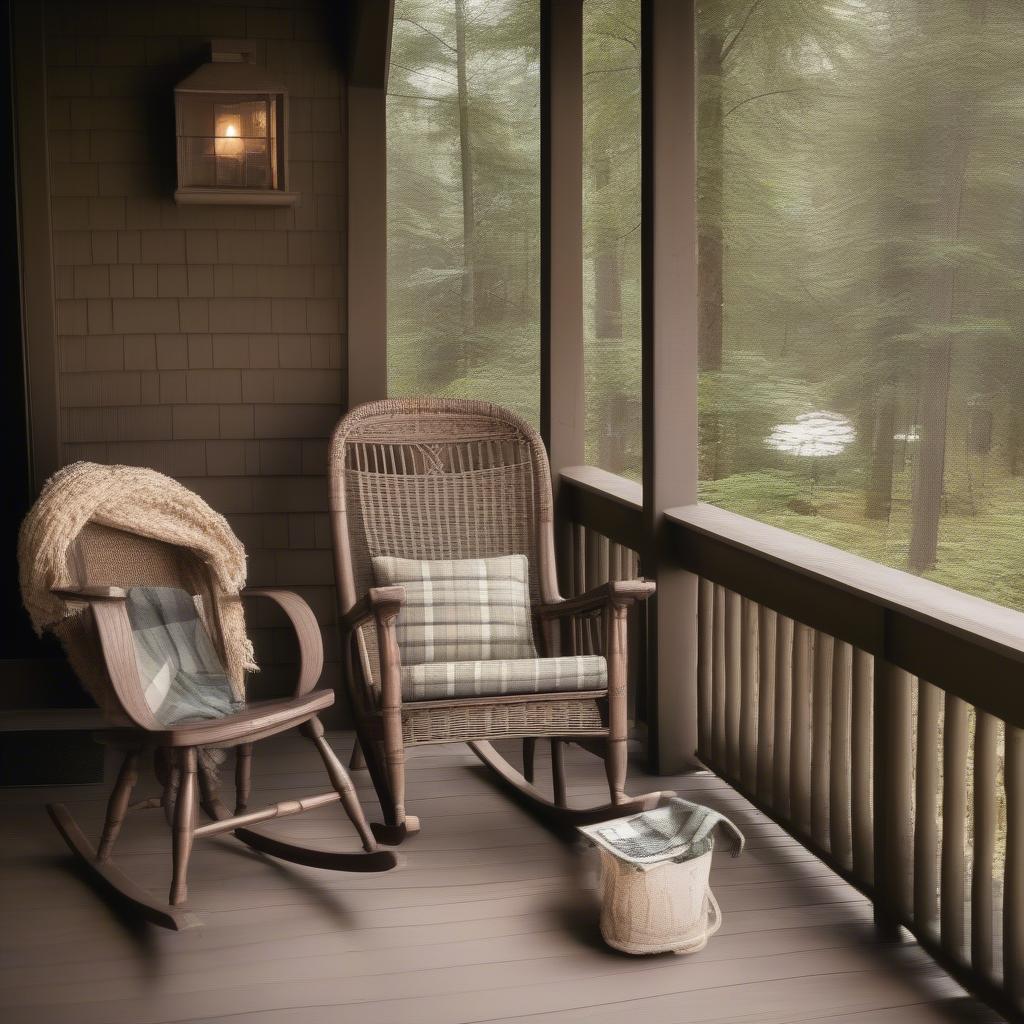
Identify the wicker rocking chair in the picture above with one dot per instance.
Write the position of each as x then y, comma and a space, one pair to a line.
100, 644
428, 480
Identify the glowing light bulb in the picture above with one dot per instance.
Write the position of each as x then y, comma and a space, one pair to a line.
230, 131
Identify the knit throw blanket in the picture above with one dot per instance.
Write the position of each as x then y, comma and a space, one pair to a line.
143, 502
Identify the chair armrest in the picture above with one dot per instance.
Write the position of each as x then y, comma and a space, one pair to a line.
117, 647
380, 603
90, 593
616, 594
307, 632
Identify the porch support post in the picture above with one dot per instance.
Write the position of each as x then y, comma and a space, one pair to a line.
562, 410
669, 310
369, 54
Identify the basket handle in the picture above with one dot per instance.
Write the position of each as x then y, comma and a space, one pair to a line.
703, 820
714, 913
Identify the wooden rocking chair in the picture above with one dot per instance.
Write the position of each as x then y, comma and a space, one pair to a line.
429, 479
100, 644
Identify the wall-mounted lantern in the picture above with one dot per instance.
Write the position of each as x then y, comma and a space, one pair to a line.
232, 124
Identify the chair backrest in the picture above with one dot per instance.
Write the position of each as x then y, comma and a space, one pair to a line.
437, 478
104, 556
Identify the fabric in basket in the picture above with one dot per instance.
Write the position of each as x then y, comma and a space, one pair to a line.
182, 676
442, 681
678, 831
464, 610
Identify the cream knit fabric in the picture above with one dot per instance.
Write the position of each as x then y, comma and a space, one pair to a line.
139, 501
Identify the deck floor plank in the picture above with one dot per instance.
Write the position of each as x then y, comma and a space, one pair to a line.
492, 918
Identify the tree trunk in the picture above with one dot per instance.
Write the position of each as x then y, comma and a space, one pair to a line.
943, 300
468, 212
710, 242
607, 273
879, 496
709, 230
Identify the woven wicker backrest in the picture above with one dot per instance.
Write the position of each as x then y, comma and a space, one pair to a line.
438, 478
103, 556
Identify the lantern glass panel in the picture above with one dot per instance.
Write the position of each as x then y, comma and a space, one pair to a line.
228, 141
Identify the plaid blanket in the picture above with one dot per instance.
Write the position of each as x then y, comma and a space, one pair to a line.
182, 676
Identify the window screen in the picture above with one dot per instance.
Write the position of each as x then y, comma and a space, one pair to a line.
611, 233
861, 234
464, 201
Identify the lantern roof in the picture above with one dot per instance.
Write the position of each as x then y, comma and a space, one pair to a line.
231, 69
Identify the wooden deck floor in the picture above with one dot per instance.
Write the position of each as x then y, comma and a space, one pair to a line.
491, 919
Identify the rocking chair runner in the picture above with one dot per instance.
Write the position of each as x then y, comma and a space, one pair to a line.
100, 643
433, 479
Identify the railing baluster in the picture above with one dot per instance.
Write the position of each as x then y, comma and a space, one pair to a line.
840, 831
603, 560
718, 680
1013, 869
732, 682
954, 810
821, 714
705, 656
613, 561
893, 775
748, 693
984, 842
783, 712
861, 758
926, 834
800, 739
579, 559
766, 637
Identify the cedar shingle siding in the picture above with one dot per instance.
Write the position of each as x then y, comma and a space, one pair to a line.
202, 341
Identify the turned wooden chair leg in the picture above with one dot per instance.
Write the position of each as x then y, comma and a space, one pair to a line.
243, 777
529, 749
117, 806
184, 826
394, 762
558, 771
617, 754
356, 761
166, 770
342, 784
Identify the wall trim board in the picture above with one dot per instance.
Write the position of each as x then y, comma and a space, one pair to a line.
35, 237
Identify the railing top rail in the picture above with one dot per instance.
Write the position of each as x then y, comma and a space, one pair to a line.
619, 489
610, 504
991, 625
963, 644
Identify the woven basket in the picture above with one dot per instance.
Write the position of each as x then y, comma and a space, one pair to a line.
655, 866
669, 908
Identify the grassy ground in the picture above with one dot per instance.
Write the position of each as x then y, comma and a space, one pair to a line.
980, 543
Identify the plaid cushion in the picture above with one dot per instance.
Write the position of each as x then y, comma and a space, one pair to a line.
497, 678
182, 676
470, 609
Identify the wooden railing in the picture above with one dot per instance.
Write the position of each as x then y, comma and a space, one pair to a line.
591, 558
877, 716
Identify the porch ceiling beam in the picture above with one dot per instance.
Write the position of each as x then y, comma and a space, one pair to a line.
669, 366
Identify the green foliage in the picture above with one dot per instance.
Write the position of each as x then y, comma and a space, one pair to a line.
859, 160
860, 205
